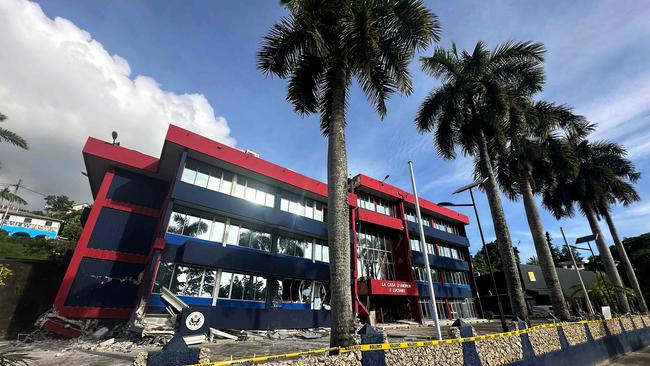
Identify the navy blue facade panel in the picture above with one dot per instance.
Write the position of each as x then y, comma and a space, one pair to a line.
239, 259
239, 207
105, 284
436, 261
440, 235
123, 231
445, 290
137, 189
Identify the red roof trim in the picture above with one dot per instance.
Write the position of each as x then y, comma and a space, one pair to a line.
247, 161
395, 192
121, 155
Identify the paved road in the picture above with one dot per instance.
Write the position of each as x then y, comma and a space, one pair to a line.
638, 358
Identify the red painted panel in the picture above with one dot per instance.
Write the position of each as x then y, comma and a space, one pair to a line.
120, 155
61, 329
385, 287
379, 219
95, 312
395, 192
131, 208
239, 158
115, 256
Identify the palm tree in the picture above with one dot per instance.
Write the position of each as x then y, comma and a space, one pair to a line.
320, 47
11, 137
589, 188
468, 111
9, 196
621, 190
535, 153
599, 291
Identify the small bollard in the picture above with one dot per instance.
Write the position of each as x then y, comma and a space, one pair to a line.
370, 335
174, 353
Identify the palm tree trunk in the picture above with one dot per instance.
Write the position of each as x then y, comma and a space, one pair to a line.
629, 271
338, 221
606, 257
510, 265
544, 256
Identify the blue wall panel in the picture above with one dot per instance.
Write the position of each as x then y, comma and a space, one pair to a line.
440, 235
123, 231
106, 284
436, 261
242, 208
137, 189
445, 290
239, 259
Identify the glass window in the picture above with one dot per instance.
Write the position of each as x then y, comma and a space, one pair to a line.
214, 180
226, 183
187, 281
189, 173
375, 257
176, 223
209, 280
224, 285
270, 200
232, 237
163, 276
240, 187
237, 292
204, 230
318, 212
250, 194
202, 176
218, 229
261, 241
244, 237
284, 204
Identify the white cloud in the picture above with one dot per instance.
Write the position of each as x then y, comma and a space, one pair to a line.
58, 86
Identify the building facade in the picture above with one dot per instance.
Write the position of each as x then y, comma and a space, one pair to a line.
246, 241
26, 224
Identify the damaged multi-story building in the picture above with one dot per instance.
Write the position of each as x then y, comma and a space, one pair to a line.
245, 240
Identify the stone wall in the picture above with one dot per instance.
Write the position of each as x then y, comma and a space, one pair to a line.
499, 351
491, 351
443, 355
575, 334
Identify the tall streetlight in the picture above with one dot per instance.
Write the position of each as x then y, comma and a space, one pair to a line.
433, 309
584, 290
469, 188
587, 239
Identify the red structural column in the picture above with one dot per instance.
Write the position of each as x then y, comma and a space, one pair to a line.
82, 251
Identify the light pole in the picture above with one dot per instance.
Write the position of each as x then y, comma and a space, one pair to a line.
469, 188
589, 306
433, 309
587, 239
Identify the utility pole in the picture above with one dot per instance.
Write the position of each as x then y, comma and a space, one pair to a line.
4, 215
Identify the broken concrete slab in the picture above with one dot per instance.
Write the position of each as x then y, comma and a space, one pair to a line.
107, 342
221, 334
99, 333
310, 335
174, 301
194, 339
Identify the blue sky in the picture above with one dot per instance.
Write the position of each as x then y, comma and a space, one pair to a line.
597, 62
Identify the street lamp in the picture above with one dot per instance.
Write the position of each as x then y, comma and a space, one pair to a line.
469, 188
587, 239
589, 306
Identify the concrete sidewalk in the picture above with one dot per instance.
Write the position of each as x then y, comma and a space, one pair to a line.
638, 358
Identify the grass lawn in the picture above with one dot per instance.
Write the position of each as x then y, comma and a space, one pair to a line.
9, 249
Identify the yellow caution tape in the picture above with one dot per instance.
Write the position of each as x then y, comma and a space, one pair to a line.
401, 345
